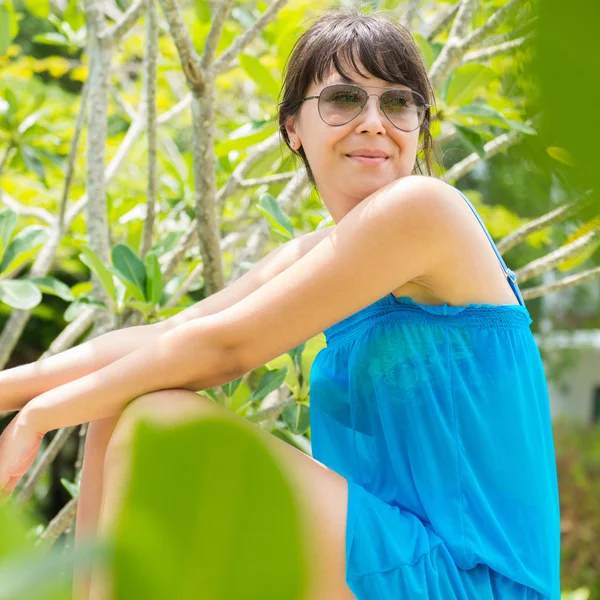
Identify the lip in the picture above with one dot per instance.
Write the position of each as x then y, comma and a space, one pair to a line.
369, 152
367, 160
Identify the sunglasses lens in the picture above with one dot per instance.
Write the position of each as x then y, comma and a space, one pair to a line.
339, 104
404, 108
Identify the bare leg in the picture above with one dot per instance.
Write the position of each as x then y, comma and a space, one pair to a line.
323, 493
90, 496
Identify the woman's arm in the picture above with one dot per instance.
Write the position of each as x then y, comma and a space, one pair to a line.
21, 384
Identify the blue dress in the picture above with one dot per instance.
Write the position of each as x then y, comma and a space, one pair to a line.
439, 419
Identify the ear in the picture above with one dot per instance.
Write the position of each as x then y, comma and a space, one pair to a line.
290, 127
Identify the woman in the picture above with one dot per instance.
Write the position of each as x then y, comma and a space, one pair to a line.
433, 473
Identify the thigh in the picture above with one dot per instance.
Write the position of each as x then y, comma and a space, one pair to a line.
322, 492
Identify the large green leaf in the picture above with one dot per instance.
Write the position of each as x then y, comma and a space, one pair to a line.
93, 262
427, 51
125, 288
472, 139
278, 220
54, 287
297, 417
240, 143
487, 114
23, 245
260, 75
270, 381
464, 83
208, 513
33, 162
154, 282
130, 266
19, 294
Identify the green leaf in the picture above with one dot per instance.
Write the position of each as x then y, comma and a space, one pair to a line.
260, 75
195, 523
19, 294
129, 265
33, 162
270, 381
154, 282
426, 49
278, 220
473, 140
74, 17
463, 84
38, 8
8, 223
23, 245
80, 305
54, 287
89, 258
297, 417
144, 307
71, 487
561, 154
490, 115
223, 148
127, 287
52, 39
229, 388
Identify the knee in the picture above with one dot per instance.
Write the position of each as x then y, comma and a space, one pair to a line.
160, 407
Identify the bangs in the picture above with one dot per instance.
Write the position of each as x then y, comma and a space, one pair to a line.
376, 50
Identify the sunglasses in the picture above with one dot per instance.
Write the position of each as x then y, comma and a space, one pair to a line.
342, 102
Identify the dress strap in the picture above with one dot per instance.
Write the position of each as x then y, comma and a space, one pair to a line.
510, 275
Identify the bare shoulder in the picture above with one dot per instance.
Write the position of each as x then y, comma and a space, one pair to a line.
395, 235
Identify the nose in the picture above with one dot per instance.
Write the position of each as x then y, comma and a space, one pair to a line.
371, 118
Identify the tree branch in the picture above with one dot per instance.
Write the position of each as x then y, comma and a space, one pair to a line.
222, 63
28, 211
111, 36
556, 286
452, 50
212, 39
493, 51
491, 148
545, 263
495, 20
150, 72
410, 14
56, 527
555, 216
190, 61
440, 21
247, 183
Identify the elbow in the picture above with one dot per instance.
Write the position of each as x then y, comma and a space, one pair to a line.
205, 355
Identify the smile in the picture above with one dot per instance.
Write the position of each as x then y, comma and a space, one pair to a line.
368, 160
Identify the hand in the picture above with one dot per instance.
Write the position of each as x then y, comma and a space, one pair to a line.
19, 445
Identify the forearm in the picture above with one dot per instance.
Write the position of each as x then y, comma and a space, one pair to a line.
191, 356
21, 384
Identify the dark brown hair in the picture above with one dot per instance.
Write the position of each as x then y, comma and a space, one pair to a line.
385, 48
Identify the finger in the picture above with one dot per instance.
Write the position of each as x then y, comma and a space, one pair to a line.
12, 484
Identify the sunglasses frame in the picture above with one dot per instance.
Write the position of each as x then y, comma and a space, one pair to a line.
387, 89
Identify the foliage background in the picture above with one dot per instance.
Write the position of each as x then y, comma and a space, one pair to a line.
44, 63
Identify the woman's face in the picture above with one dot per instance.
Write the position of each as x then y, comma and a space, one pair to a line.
343, 181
